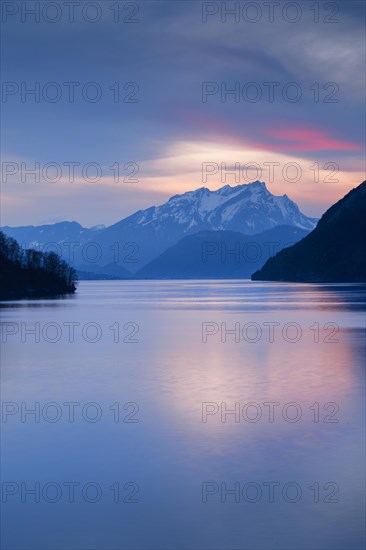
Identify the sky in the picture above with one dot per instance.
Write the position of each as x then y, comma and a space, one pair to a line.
178, 95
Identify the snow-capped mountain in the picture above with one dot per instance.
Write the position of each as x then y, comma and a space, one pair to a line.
249, 209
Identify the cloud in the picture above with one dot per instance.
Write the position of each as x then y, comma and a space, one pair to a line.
308, 139
283, 138
170, 132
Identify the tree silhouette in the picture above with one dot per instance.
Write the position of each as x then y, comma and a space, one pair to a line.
32, 273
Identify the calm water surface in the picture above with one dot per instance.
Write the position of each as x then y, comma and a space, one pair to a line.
151, 457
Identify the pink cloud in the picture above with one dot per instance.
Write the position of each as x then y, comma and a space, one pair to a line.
277, 138
308, 139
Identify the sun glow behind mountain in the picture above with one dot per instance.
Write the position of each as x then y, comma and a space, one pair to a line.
180, 167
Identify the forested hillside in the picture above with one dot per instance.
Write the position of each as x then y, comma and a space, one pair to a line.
32, 274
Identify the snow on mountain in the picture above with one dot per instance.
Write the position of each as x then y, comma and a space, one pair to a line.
98, 227
249, 208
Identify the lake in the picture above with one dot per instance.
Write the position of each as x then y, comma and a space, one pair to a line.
190, 415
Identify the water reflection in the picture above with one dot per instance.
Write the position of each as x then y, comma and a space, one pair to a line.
170, 452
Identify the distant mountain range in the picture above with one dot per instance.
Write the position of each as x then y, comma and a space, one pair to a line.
220, 254
126, 247
334, 252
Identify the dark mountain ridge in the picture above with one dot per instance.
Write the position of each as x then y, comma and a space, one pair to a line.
219, 254
334, 251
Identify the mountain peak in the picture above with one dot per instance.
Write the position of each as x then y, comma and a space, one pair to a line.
225, 190
252, 185
249, 208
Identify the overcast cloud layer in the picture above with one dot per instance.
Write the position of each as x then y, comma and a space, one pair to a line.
169, 129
